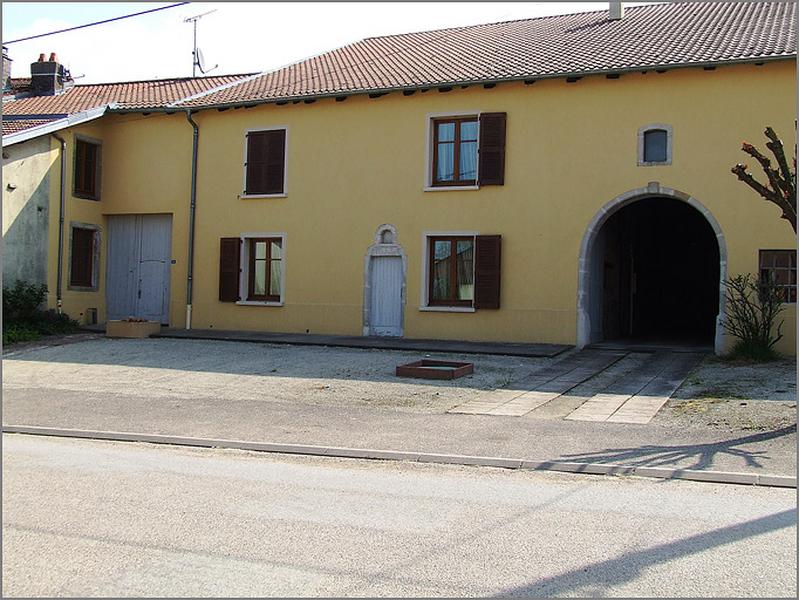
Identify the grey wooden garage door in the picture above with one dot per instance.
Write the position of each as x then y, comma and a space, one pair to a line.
138, 267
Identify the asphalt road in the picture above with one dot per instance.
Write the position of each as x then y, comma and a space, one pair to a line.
85, 518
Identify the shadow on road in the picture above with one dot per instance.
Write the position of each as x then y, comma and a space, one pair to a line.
596, 579
702, 455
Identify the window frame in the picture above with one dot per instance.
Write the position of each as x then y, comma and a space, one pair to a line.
95, 257
429, 173
84, 194
456, 120
451, 305
642, 131
789, 287
245, 276
245, 196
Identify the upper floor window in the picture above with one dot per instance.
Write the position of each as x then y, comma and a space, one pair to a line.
455, 151
779, 267
265, 166
86, 179
467, 151
654, 145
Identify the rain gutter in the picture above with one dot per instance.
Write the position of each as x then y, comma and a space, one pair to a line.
61, 210
192, 213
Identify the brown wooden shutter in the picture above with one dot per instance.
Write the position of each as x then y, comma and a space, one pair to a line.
266, 156
487, 271
492, 149
229, 256
275, 161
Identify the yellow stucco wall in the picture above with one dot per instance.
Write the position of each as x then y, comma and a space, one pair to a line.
76, 211
354, 165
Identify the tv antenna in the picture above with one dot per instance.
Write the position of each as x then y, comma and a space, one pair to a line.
197, 60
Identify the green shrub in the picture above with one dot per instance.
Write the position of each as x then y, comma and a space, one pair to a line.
24, 319
18, 333
50, 322
23, 301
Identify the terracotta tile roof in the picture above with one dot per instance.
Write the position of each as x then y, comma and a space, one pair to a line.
18, 125
660, 35
18, 85
131, 94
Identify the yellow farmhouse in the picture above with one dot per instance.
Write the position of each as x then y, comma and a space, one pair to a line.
561, 179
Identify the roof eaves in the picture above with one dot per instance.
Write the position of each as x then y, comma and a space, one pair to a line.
558, 75
30, 117
53, 126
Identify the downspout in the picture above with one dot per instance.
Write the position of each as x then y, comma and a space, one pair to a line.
61, 210
192, 211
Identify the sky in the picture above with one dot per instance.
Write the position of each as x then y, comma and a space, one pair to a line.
240, 37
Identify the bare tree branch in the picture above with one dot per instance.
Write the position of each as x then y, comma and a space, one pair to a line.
781, 188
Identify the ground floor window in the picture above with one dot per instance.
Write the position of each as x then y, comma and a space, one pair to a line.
83, 270
264, 269
451, 271
779, 267
252, 269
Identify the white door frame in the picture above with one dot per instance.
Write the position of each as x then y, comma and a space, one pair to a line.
385, 244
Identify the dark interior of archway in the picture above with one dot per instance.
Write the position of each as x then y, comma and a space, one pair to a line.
661, 273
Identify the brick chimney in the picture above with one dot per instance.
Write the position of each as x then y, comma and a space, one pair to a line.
616, 11
49, 77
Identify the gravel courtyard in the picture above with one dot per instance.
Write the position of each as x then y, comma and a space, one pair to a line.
717, 394
735, 395
189, 369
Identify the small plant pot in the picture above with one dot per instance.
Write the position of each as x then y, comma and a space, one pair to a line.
132, 329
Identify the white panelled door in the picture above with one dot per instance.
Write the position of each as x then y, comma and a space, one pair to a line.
138, 271
386, 287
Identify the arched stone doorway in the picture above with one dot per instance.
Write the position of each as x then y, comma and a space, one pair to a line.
651, 268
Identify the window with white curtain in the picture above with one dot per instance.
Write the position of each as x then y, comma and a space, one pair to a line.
455, 151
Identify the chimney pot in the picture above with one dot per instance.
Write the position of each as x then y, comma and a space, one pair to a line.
48, 77
615, 11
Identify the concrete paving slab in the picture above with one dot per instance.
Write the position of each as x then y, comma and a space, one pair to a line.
544, 385
637, 397
638, 409
598, 408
